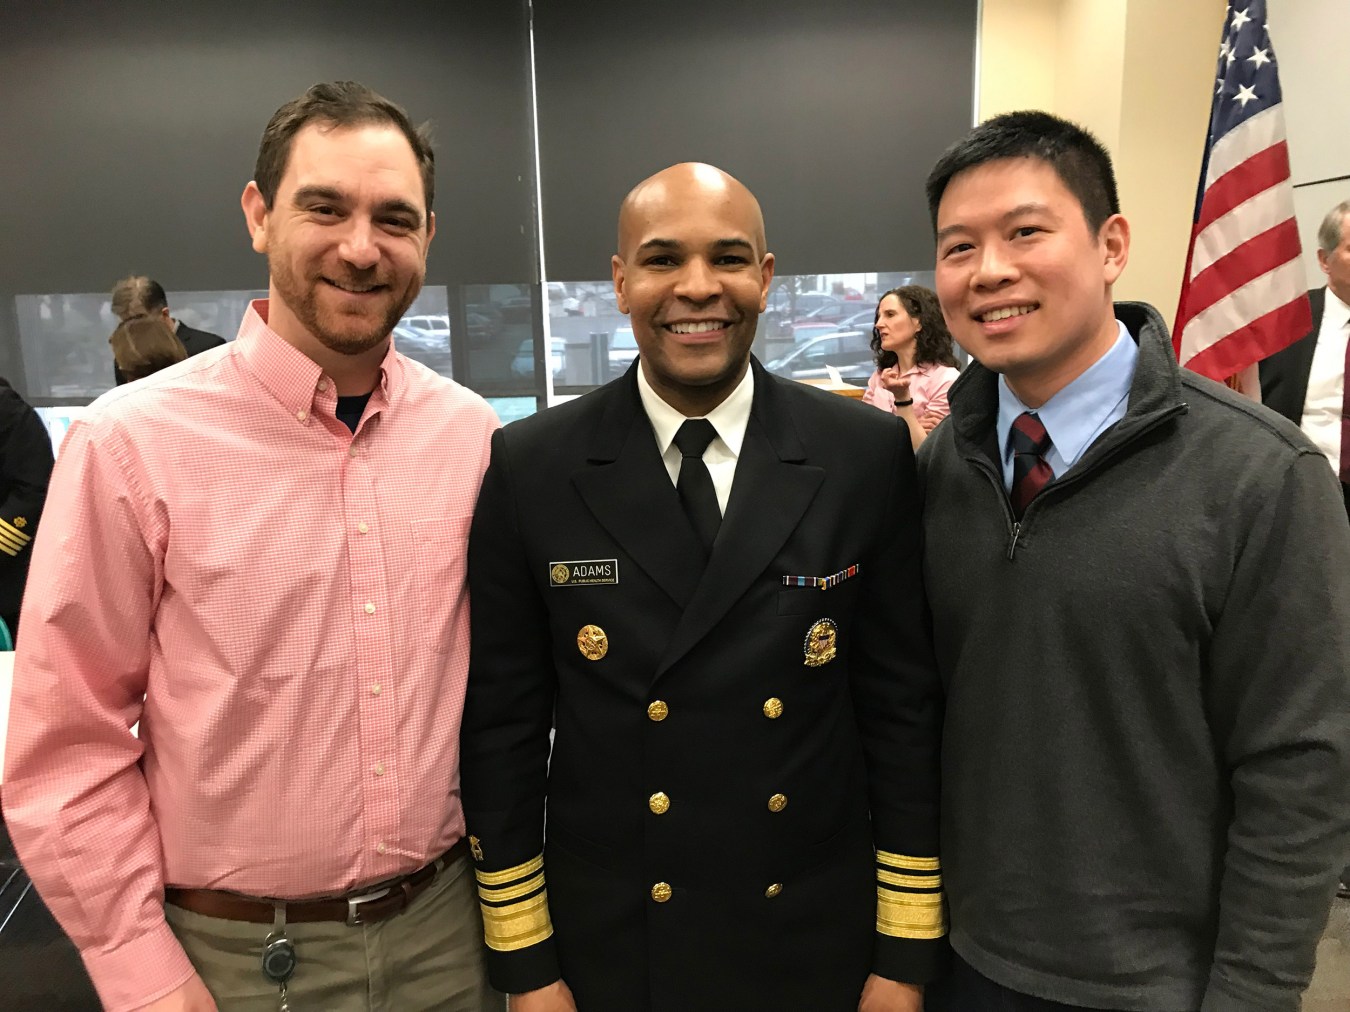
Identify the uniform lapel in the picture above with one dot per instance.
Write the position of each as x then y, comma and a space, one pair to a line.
772, 489
626, 486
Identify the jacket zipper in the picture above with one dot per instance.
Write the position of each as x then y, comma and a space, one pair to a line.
1015, 525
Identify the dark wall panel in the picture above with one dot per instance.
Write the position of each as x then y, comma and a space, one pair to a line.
128, 131
831, 113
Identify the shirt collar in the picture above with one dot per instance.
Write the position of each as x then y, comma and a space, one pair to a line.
1076, 414
1335, 310
295, 379
729, 418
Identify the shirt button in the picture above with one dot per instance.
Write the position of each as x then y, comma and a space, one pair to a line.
659, 803
351, 451
370, 608
773, 890
363, 527
380, 848
379, 769
773, 707
323, 386
778, 802
375, 689
657, 710
302, 415
661, 892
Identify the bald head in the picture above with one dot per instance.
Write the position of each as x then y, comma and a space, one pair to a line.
688, 185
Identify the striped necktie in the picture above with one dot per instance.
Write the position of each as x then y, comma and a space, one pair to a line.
1030, 443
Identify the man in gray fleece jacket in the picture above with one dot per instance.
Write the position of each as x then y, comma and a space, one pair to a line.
1140, 586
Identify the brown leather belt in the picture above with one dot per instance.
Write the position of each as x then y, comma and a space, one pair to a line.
367, 906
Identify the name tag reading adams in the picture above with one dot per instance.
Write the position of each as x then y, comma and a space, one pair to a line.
583, 573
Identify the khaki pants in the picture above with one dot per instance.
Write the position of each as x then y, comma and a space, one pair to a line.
428, 957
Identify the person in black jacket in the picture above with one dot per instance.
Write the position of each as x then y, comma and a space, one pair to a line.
25, 467
729, 639
138, 296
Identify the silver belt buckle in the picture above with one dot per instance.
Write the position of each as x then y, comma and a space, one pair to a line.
354, 904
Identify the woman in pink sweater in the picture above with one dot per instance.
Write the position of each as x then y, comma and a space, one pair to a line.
915, 364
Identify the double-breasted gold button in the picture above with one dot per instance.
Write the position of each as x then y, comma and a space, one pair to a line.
778, 802
773, 890
657, 710
659, 803
773, 707
661, 892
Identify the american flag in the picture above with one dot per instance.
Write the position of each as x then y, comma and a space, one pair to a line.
1244, 295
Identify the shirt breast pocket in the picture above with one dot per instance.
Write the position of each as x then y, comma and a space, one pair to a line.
442, 548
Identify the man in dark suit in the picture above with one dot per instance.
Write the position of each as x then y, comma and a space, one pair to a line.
138, 296
1305, 382
729, 639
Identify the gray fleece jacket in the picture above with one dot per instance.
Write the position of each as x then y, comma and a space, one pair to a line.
1146, 762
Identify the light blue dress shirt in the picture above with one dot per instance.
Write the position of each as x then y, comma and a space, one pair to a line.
1079, 413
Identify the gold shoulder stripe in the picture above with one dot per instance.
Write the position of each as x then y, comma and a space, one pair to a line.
902, 862
910, 915
9, 528
909, 881
509, 875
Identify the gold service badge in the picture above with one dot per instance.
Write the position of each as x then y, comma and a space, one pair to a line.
592, 642
560, 573
820, 645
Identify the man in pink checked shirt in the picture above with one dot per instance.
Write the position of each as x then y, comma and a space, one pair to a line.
260, 555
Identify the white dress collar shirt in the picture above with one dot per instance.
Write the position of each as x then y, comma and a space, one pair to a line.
729, 419
1325, 400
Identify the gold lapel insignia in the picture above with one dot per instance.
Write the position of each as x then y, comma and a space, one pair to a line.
820, 645
592, 642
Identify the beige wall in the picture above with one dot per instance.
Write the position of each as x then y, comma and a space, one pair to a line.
1139, 75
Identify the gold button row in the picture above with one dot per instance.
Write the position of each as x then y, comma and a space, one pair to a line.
658, 710
661, 891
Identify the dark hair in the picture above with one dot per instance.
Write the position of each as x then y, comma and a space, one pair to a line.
1078, 158
337, 104
144, 345
137, 296
933, 342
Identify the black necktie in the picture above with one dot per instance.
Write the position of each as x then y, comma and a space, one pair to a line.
695, 483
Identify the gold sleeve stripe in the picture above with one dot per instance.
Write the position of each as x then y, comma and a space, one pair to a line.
903, 863
13, 531
509, 875
910, 915
909, 881
8, 550
515, 892
507, 929
11, 541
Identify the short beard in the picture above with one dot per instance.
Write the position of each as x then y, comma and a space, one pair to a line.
301, 298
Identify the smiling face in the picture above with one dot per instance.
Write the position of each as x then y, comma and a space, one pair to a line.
346, 237
693, 275
1025, 284
895, 326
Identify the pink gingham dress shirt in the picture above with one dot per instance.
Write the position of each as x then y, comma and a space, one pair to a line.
290, 601
928, 385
